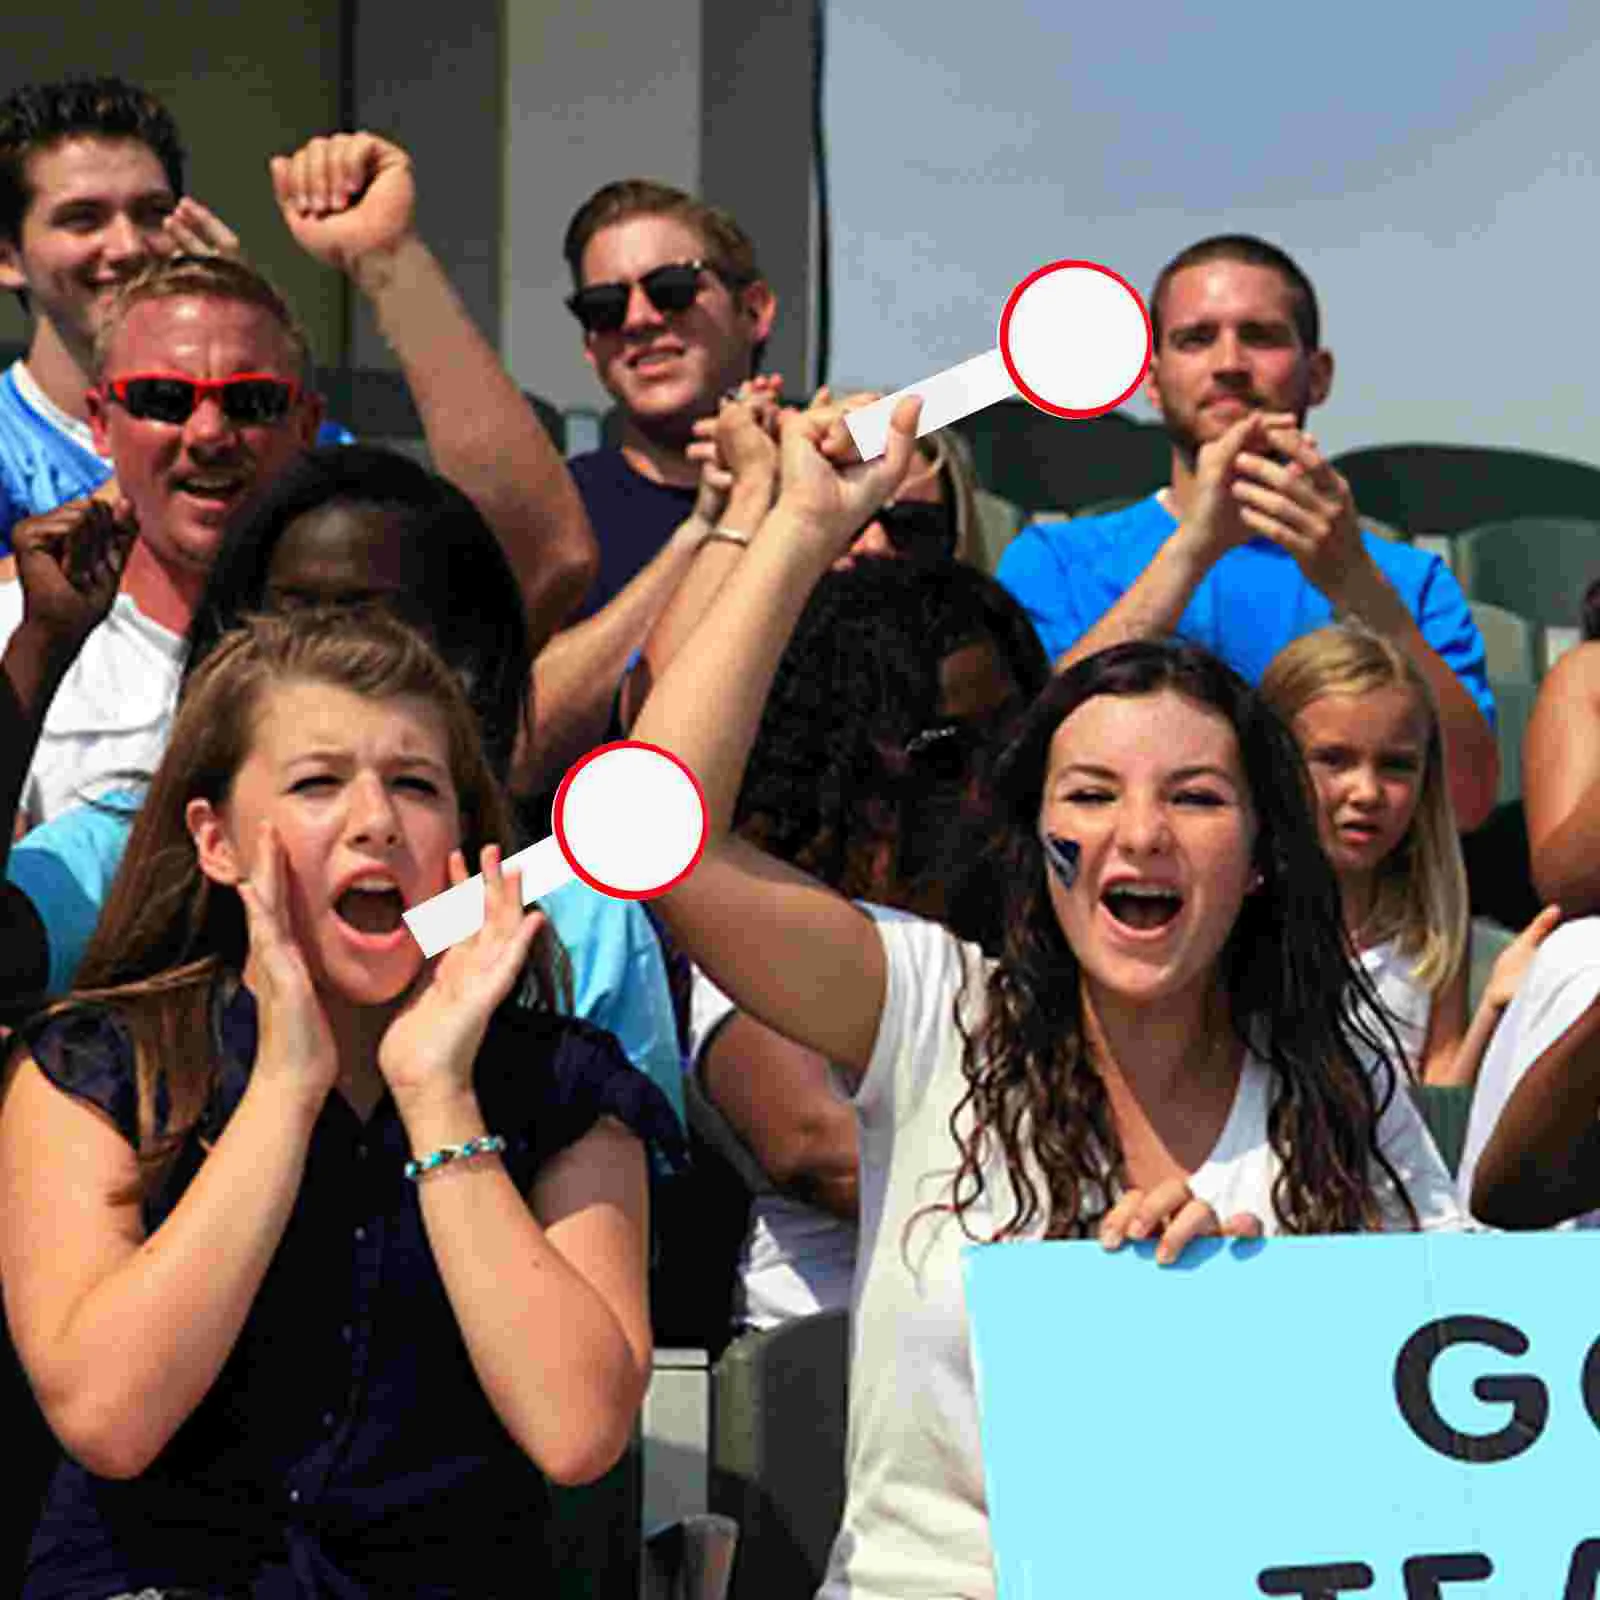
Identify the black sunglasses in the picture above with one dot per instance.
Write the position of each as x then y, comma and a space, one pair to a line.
248, 399
918, 528
603, 307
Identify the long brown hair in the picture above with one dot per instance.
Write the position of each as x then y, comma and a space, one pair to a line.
167, 933
1033, 1094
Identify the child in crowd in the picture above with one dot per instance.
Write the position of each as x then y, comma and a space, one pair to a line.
321, 1260
1367, 726
343, 526
1167, 1044
869, 763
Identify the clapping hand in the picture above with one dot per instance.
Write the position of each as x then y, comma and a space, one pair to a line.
70, 562
1173, 1212
428, 1050
1289, 493
836, 495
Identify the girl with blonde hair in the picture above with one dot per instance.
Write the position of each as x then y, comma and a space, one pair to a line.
1366, 722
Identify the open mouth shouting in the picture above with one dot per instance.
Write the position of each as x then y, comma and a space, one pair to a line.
368, 911
1140, 907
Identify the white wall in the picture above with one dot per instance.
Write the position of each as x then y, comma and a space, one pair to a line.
595, 90
1430, 164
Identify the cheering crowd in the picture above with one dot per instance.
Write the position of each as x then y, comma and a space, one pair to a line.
1111, 892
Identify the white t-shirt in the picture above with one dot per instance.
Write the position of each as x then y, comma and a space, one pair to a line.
916, 1522
797, 1259
1561, 983
112, 713
1408, 1004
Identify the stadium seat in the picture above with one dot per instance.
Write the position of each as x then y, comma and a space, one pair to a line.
778, 1401
1538, 567
1437, 489
1513, 706
1508, 642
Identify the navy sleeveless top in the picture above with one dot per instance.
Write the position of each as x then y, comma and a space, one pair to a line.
346, 1449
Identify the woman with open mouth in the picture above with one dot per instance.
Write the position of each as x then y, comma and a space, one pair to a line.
1166, 1046
323, 1261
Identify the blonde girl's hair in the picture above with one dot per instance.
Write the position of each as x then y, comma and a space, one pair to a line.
1421, 901
167, 932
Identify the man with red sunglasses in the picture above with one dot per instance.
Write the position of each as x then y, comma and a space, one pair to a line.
200, 398
675, 313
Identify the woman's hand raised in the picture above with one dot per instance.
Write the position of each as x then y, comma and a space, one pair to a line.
296, 1044
830, 491
428, 1050
1172, 1211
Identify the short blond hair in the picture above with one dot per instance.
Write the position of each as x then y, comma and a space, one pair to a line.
1421, 899
207, 278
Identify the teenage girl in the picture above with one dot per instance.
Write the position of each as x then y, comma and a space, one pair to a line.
321, 1260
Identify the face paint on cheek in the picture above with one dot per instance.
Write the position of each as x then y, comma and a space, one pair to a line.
1062, 856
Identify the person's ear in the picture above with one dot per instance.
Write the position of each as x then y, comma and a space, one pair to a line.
313, 408
1320, 383
213, 843
11, 274
1152, 385
760, 305
99, 420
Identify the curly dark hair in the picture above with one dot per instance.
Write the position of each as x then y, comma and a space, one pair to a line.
830, 785
1290, 975
39, 115
460, 590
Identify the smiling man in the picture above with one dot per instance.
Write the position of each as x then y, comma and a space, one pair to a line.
1256, 539
91, 175
200, 396
674, 312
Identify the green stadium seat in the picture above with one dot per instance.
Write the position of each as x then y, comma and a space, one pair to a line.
1538, 567
1445, 489
1508, 642
778, 1401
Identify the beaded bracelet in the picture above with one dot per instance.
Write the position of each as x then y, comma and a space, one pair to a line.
488, 1144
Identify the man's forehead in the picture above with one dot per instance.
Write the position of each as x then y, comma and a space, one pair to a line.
1227, 288
638, 243
84, 163
202, 330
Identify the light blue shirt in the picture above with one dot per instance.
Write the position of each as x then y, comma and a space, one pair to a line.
46, 457
619, 978
1253, 601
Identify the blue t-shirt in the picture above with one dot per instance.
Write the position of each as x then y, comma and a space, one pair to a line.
632, 517
48, 458
619, 976
1253, 601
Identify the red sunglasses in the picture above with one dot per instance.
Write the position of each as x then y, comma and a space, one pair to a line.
248, 399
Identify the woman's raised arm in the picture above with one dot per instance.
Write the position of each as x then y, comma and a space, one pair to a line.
794, 954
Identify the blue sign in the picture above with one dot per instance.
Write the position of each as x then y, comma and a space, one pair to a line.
1398, 1416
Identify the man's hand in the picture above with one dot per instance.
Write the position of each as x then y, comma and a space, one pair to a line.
346, 197
70, 562
1305, 507
1216, 523
192, 229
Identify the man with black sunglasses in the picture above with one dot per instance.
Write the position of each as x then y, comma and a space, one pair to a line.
200, 398
674, 313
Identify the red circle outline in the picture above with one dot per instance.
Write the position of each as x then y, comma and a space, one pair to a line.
1032, 396
558, 821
